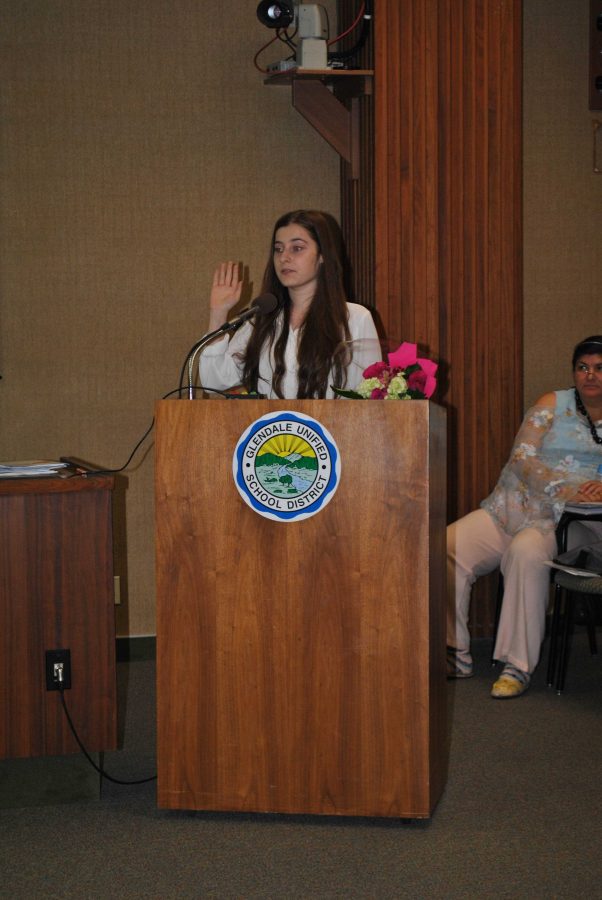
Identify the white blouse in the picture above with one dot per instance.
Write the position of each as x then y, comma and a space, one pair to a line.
220, 368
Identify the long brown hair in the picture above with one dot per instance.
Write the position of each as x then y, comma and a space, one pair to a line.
322, 353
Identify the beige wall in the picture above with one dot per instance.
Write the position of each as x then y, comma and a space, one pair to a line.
562, 195
140, 147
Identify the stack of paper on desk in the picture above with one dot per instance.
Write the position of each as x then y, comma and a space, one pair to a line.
31, 468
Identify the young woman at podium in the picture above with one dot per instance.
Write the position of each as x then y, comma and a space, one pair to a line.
313, 338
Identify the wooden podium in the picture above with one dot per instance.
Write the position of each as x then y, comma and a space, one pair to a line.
301, 665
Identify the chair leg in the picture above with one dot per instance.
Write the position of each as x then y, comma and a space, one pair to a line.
591, 625
553, 653
564, 649
498, 611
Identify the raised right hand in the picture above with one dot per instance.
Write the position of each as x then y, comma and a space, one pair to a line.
226, 287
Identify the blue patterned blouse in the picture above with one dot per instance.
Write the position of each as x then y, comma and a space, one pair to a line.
553, 454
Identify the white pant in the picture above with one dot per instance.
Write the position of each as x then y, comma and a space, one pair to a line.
476, 545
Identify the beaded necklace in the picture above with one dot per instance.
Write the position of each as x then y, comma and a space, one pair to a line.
581, 408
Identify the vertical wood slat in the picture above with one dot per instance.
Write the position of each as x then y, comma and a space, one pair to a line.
440, 237
447, 224
357, 194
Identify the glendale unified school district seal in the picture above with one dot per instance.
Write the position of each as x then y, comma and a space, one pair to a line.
286, 466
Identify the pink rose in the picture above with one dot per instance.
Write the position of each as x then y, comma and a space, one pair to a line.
405, 356
417, 381
378, 394
429, 368
375, 370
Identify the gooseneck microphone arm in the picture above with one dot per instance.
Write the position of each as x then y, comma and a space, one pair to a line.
264, 304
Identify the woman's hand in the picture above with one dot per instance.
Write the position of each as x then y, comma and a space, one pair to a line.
225, 293
589, 492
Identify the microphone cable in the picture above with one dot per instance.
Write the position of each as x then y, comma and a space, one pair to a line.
261, 306
90, 473
99, 769
365, 14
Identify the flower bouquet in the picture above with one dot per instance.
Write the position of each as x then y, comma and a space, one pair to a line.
404, 377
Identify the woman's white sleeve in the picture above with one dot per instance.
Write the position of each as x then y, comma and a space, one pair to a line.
365, 344
220, 364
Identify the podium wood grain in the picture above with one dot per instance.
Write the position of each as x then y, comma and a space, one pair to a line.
300, 665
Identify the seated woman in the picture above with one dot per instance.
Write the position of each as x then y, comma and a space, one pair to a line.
554, 460
313, 339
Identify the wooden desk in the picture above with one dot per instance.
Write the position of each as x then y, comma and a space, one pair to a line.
56, 592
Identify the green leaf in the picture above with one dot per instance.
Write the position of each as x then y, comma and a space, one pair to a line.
350, 395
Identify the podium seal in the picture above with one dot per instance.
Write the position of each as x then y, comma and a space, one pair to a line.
286, 466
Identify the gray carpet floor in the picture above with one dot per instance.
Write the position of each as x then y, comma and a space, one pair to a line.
521, 816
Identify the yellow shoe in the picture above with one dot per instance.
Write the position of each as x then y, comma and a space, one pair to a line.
507, 687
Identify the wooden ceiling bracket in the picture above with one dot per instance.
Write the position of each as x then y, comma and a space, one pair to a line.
331, 119
337, 122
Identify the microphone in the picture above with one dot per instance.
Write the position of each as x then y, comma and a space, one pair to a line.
261, 306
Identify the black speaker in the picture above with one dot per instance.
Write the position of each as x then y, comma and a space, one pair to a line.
275, 15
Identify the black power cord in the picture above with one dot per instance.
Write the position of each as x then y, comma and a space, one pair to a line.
90, 473
343, 56
100, 771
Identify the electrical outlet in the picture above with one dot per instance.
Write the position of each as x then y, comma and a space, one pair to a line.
58, 670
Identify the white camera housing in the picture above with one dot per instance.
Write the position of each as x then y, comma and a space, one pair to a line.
312, 24
312, 21
312, 54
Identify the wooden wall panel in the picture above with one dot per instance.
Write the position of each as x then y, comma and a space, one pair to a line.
357, 195
447, 216
447, 160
